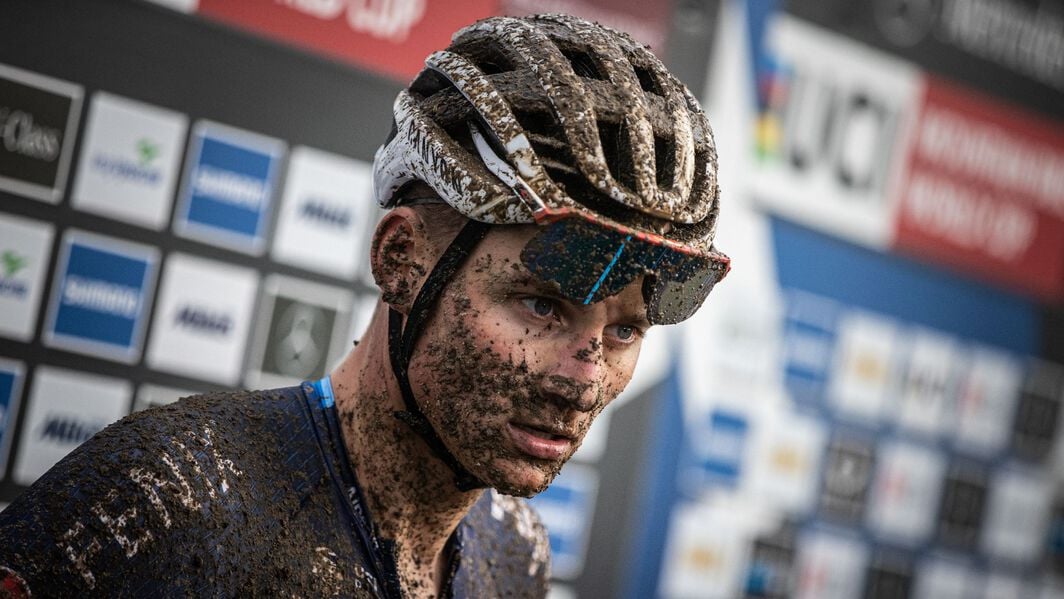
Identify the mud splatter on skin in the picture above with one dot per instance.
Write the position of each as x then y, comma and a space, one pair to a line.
483, 361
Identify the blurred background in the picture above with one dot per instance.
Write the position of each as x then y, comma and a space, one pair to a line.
869, 405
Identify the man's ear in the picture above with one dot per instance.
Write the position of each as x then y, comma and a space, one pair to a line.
400, 257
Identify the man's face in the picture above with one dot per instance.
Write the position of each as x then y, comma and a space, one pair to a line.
511, 375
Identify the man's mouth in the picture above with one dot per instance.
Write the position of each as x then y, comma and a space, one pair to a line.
541, 442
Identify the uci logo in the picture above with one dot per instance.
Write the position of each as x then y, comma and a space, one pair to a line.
203, 321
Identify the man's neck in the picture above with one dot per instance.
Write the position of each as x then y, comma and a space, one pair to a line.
410, 493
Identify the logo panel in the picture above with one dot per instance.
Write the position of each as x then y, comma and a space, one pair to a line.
66, 408
830, 567
986, 401
827, 138
1017, 516
864, 366
787, 462
326, 202
300, 331
390, 37
929, 386
129, 160
983, 191
25, 249
847, 477
11, 377
963, 504
1038, 413
703, 553
101, 296
567, 508
201, 325
229, 186
718, 449
905, 492
38, 123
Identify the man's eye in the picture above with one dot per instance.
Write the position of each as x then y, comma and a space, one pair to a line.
540, 306
624, 333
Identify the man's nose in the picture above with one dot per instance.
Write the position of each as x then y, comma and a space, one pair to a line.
576, 377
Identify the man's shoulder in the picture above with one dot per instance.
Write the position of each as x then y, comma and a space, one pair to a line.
510, 532
173, 476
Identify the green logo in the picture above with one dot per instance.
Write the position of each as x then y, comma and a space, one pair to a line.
12, 262
147, 150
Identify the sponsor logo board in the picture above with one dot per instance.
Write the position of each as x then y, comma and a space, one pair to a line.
703, 553
65, 409
153, 396
837, 113
101, 296
788, 453
983, 190
227, 194
905, 492
986, 401
25, 249
1017, 515
718, 448
201, 324
942, 579
960, 516
848, 468
770, 570
808, 344
567, 508
300, 331
129, 160
38, 123
865, 365
928, 386
326, 202
1038, 413
830, 567
888, 577
391, 37
11, 376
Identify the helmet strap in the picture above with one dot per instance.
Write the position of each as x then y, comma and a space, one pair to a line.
401, 345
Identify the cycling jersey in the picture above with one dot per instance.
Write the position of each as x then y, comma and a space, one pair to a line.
245, 493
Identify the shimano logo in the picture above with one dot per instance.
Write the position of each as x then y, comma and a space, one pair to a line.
390, 20
229, 187
67, 430
321, 212
21, 135
122, 168
101, 296
204, 321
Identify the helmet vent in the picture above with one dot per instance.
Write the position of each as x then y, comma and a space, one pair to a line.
616, 147
488, 55
665, 161
583, 64
648, 81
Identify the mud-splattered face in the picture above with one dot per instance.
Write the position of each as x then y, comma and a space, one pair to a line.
511, 375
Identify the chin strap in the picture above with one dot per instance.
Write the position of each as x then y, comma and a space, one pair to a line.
401, 344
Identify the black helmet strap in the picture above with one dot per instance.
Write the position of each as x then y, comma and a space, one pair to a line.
401, 344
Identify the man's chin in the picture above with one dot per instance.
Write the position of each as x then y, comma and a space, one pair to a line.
525, 482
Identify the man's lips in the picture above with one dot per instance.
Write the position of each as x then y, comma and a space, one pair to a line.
541, 442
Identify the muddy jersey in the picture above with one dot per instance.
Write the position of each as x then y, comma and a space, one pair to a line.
232, 494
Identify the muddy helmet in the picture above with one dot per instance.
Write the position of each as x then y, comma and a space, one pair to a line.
538, 119
556, 121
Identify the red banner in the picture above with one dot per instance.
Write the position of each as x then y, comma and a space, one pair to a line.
392, 37
983, 190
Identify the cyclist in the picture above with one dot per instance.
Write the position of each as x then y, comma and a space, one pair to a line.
552, 193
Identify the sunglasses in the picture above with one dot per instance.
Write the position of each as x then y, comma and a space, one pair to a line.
592, 258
